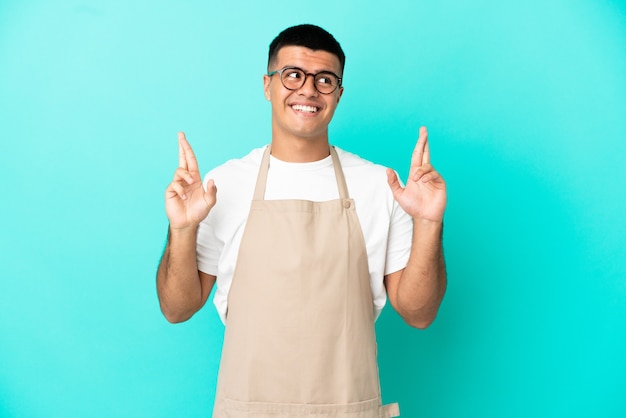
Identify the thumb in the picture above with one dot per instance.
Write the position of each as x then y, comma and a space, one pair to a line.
394, 184
210, 194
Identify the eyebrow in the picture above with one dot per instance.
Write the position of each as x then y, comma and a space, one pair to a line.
311, 72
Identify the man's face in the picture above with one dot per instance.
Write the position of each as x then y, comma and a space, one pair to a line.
303, 113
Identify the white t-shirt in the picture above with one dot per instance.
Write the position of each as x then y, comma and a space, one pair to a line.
386, 227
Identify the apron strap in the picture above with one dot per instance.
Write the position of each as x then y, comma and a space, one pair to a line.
341, 179
261, 181
390, 410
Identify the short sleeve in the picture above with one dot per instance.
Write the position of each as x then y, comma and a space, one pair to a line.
399, 241
208, 246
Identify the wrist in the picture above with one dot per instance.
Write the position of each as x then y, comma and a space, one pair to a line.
425, 227
185, 232
427, 222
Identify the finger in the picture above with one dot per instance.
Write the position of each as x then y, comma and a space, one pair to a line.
182, 162
180, 190
418, 152
183, 174
426, 156
435, 179
421, 172
190, 157
175, 189
426, 178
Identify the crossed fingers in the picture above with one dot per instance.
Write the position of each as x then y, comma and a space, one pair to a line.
186, 157
187, 171
421, 169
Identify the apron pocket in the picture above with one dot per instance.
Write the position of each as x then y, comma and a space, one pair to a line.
239, 409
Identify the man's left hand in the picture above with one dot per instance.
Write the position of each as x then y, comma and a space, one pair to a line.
424, 195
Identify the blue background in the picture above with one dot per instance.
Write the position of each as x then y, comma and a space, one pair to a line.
525, 102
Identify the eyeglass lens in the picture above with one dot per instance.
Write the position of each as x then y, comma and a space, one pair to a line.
294, 78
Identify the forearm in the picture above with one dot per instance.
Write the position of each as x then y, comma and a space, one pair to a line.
178, 284
423, 282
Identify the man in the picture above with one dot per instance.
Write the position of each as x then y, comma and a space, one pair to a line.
305, 242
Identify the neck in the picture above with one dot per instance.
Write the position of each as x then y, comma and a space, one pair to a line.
300, 150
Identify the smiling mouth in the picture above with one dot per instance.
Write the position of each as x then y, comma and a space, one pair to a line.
306, 109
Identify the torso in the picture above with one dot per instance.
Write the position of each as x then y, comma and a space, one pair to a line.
386, 228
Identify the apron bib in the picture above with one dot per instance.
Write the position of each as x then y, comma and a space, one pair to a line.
299, 338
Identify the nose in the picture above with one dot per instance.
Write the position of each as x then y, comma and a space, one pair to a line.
308, 88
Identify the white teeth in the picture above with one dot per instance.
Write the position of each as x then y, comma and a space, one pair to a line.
302, 108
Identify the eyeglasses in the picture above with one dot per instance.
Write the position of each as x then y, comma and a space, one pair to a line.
293, 78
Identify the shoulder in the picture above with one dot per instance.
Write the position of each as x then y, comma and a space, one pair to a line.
237, 170
361, 170
352, 161
235, 180
367, 181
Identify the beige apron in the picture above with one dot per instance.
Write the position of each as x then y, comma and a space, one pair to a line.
299, 339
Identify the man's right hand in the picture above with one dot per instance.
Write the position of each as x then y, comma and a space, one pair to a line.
186, 201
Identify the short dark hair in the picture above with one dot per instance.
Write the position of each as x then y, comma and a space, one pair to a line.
308, 36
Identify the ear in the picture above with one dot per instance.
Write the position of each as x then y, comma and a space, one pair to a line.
340, 92
266, 87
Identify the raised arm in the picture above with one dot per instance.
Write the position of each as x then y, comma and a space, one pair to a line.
416, 291
181, 288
